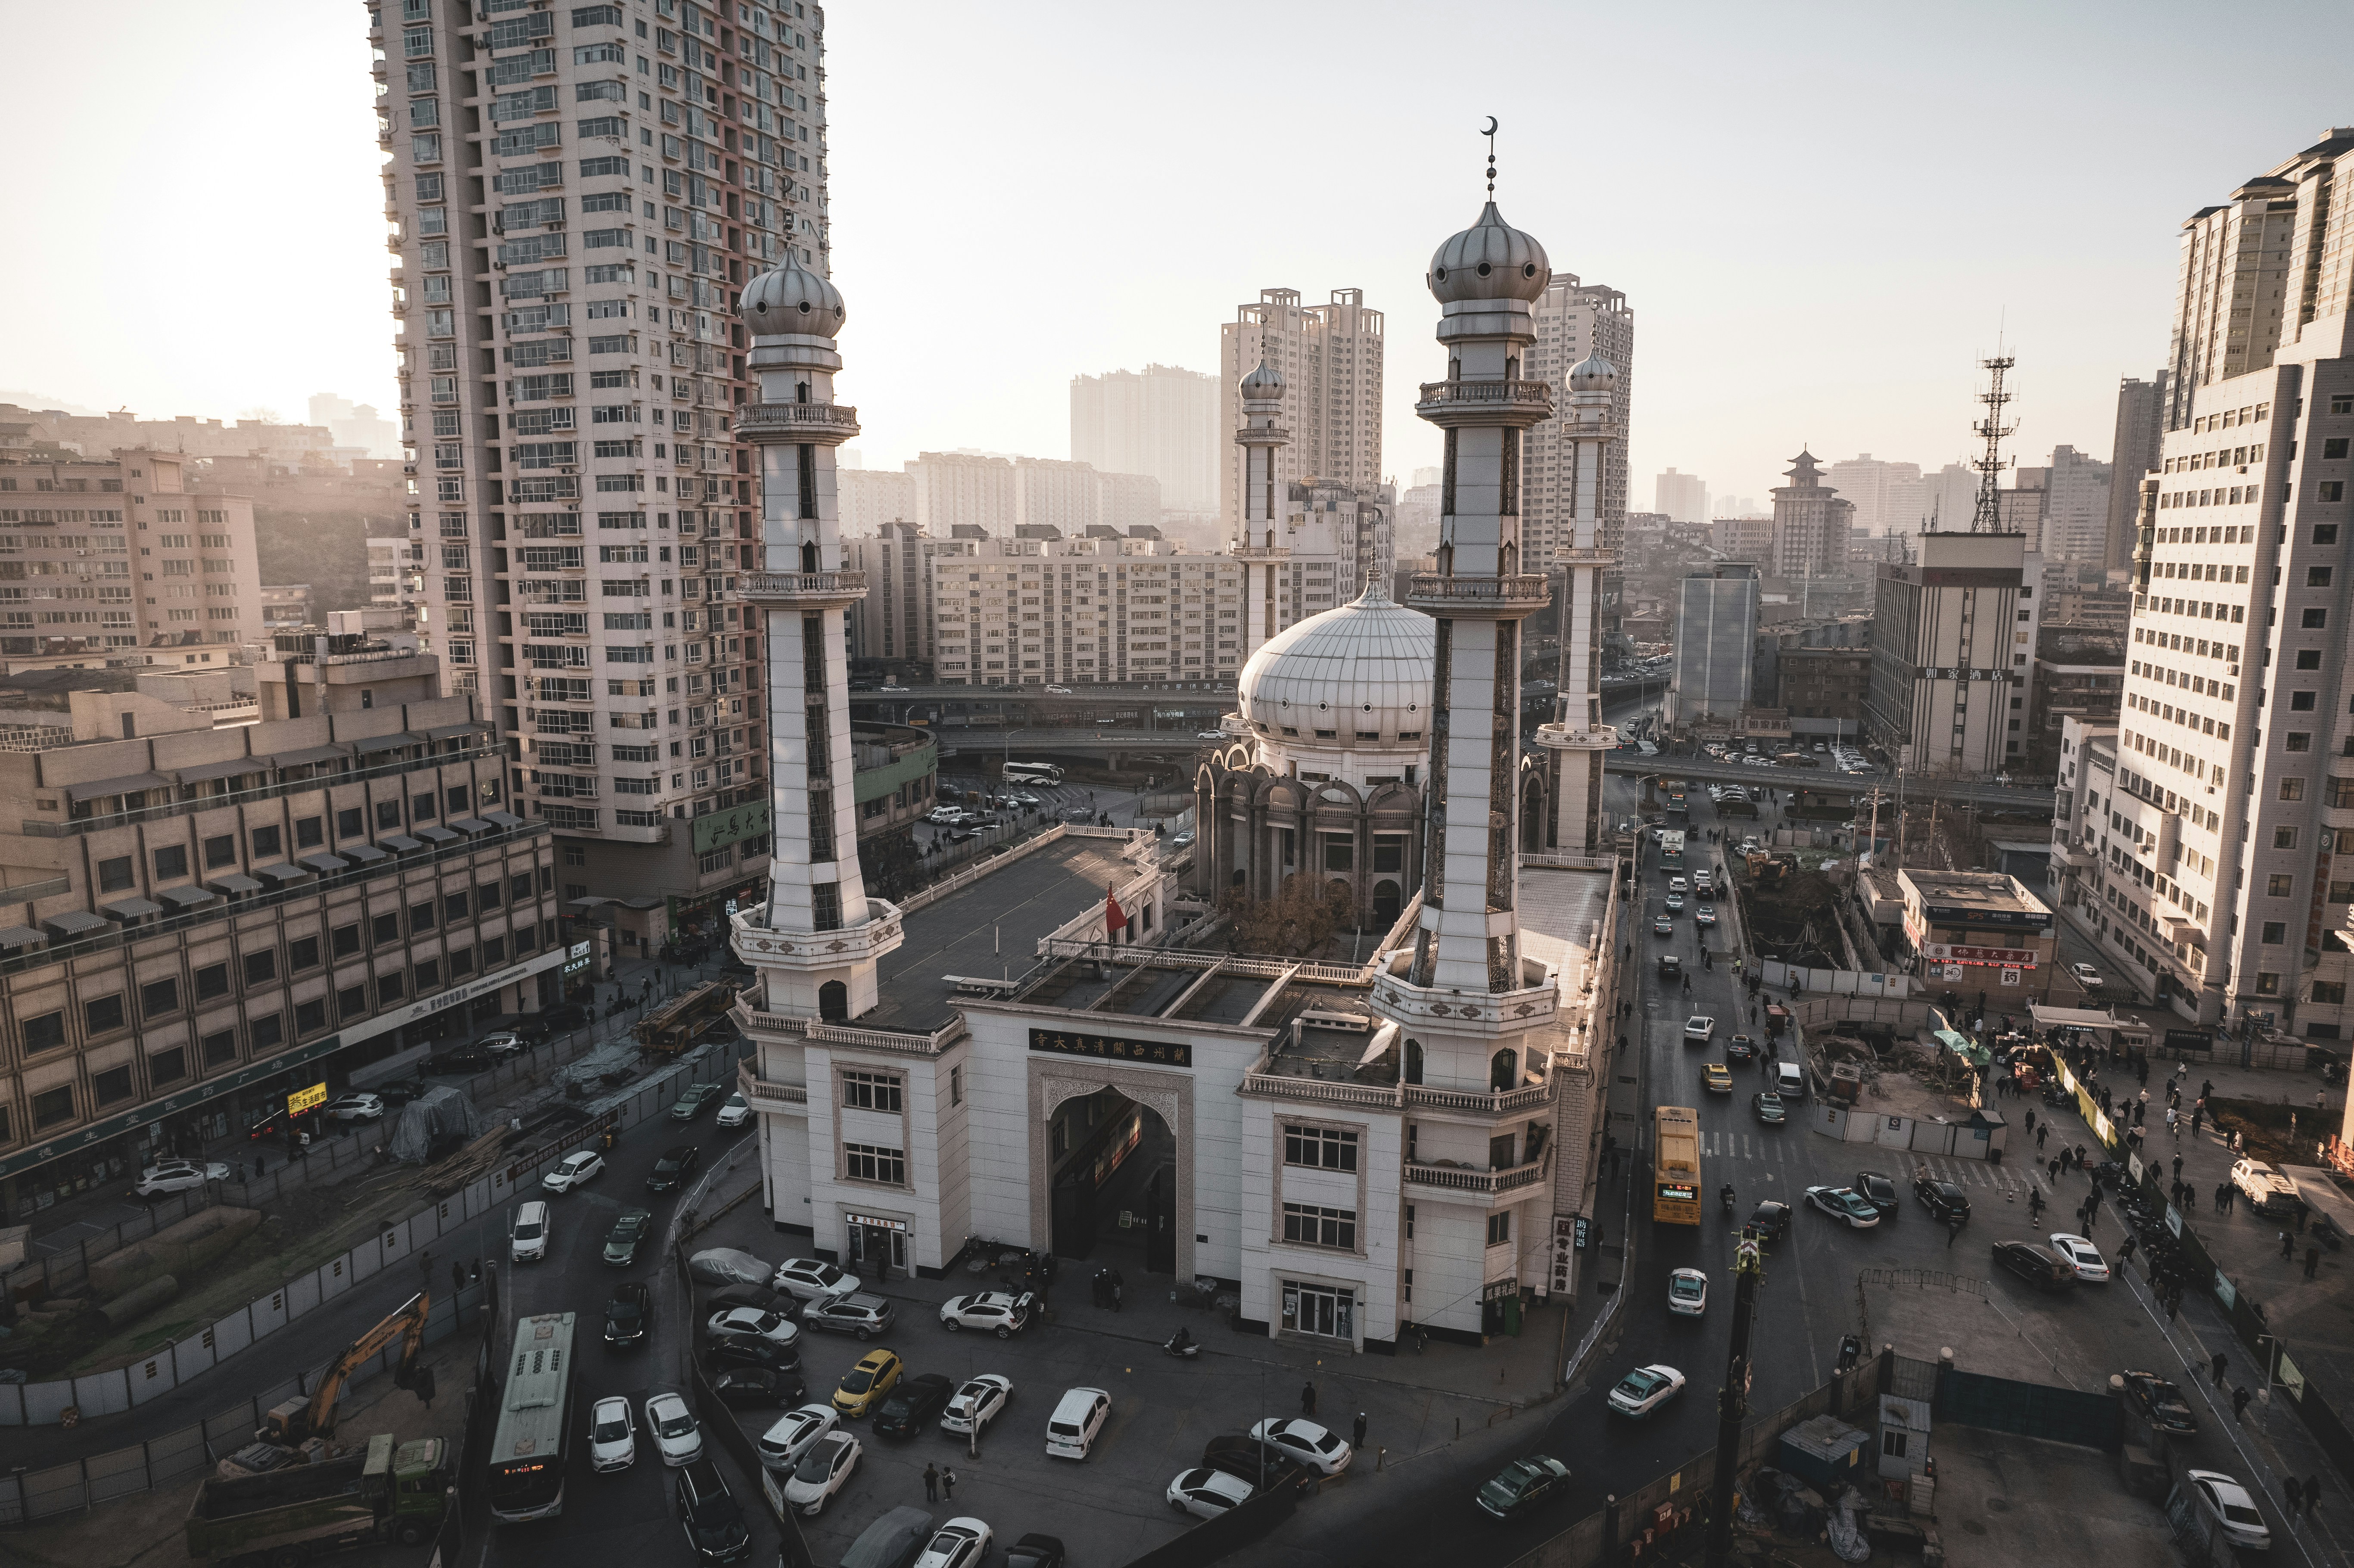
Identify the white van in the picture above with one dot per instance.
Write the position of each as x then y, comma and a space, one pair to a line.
527, 1235
1071, 1430
1789, 1080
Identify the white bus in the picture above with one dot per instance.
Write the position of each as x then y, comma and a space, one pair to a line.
1031, 773
532, 1447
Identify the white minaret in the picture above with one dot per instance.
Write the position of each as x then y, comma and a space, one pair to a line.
1263, 507
816, 942
1577, 739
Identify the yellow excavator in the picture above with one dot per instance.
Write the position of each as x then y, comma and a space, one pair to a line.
297, 1421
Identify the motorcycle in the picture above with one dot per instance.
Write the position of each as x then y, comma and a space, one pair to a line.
1181, 1346
1726, 1198
1850, 1352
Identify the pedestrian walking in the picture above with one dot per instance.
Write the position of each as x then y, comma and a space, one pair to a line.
2298, 1219
2220, 1363
457, 1277
1953, 1229
241, 1172
948, 1483
931, 1484
2288, 1247
2031, 1120
2040, 1134
1359, 1440
2052, 1171
2238, 1402
2312, 1261
2174, 1124
2126, 1249
1308, 1398
2178, 1167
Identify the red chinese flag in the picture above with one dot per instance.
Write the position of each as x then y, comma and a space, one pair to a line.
1114, 916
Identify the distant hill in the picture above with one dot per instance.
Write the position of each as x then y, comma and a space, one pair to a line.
44, 400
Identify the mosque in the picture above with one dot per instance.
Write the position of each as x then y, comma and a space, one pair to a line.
1066, 1054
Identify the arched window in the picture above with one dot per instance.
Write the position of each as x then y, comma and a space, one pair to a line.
1385, 902
1414, 1061
1504, 1070
808, 557
834, 1003
1241, 876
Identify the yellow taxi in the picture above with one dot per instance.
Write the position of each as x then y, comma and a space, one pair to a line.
875, 1375
1718, 1077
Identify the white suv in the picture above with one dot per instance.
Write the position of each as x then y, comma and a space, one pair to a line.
527, 1235
1071, 1430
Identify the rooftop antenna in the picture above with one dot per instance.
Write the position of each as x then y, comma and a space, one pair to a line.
1490, 134
1988, 519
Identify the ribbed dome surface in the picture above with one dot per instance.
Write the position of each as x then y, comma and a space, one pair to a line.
790, 300
1490, 260
1593, 373
1363, 668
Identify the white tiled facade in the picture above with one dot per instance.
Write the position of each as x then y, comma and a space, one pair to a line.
577, 194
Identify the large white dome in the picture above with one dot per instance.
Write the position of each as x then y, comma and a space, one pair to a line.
1363, 670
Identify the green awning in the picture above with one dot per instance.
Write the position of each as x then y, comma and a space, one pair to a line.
1968, 1049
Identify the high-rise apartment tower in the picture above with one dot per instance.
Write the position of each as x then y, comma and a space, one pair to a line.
1331, 359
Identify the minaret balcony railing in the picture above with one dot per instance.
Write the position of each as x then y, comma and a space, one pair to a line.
1262, 435
1572, 737
1569, 555
1260, 552
799, 590
1502, 598
754, 420
1532, 398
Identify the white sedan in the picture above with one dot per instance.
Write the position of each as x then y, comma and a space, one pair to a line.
1646, 1388
1700, 1027
736, 1110
2083, 1257
1207, 1494
1306, 1443
960, 1543
991, 1310
795, 1434
177, 1176
612, 1435
2227, 1502
573, 1171
676, 1436
821, 1472
751, 1323
977, 1404
355, 1107
813, 1279
1688, 1292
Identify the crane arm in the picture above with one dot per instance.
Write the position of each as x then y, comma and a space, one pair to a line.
407, 1324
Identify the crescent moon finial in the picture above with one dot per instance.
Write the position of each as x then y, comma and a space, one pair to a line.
1490, 131
1490, 134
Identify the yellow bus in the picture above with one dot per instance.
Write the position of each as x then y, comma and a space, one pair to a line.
1675, 1166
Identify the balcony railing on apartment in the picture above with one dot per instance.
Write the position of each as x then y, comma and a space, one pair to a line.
150, 813
1451, 1178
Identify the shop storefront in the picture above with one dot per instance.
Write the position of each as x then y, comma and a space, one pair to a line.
1326, 1311
699, 924
878, 1245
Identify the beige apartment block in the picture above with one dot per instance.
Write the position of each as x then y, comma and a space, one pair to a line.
1332, 360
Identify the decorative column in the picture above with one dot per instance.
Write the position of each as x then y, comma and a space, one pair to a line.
1262, 506
1577, 739
816, 941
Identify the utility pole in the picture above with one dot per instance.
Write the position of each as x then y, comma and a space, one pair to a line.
1732, 1401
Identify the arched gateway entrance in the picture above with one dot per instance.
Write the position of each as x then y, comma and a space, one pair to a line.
1113, 1145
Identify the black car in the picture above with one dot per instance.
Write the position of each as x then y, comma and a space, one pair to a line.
1741, 1048
399, 1092
672, 1168
1247, 1458
750, 1350
459, 1059
629, 1233
2160, 1402
1770, 1220
629, 1315
758, 1388
2035, 1265
1942, 1199
569, 1016
1877, 1190
714, 1524
1034, 1552
911, 1405
759, 1298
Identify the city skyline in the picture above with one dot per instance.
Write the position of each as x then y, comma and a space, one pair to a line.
1887, 362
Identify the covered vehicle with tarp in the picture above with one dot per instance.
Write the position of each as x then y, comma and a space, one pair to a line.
436, 1121
1968, 1049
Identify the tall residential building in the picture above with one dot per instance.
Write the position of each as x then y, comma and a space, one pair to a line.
1744, 539
2075, 508
2214, 873
1949, 498
1330, 357
972, 490
873, 497
577, 195
2133, 453
1683, 496
119, 562
1044, 610
1811, 524
1952, 637
396, 576
1574, 321
893, 624
1715, 638
1886, 495
1162, 421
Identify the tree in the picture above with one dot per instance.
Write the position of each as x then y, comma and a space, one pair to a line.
1296, 922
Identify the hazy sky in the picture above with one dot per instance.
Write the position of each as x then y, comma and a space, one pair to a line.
1821, 215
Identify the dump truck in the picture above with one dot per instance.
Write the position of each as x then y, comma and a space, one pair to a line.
291, 1515
688, 1020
